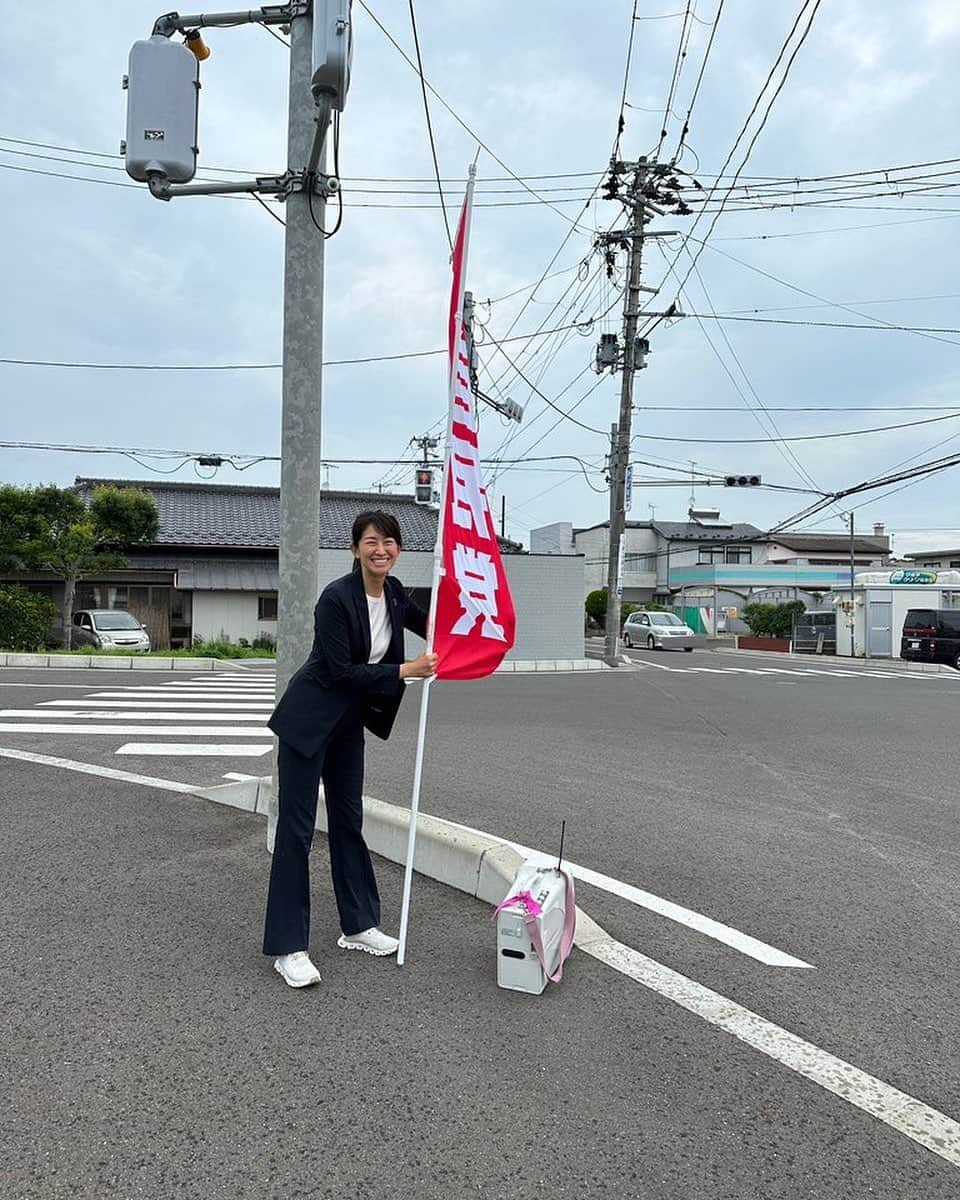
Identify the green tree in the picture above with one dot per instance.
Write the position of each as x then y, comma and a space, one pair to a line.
51, 528
596, 606
25, 619
772, 620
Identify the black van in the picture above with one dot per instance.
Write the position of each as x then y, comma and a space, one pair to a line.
932, 635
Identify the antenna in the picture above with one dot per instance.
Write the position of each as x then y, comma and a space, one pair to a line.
563, 830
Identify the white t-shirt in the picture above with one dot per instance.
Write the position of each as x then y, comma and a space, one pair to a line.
380, 629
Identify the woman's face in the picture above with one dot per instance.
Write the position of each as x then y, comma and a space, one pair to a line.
375, 552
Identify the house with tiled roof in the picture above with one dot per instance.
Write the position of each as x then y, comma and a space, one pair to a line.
214, 568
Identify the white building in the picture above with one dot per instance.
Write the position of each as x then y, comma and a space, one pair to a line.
880, 603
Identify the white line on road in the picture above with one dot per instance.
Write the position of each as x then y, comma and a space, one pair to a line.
200, 750
238, 776
69, 764
743, 942
116, 730
127, 714
61, 687
193, 693
179, 705
918, 1121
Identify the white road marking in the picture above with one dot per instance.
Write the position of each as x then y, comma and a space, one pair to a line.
918, 1121
163, 694
199, 750
61, 687
160, 730
127, 714
239, 706
68, 764
238, 776
843, 673
743, 942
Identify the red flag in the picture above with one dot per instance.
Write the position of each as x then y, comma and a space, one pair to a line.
474, 622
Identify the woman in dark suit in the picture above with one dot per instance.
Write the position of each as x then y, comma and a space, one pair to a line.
353, 679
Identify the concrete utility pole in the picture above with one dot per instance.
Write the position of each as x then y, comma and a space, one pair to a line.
853, 595
620, 447
300, 470
160, 149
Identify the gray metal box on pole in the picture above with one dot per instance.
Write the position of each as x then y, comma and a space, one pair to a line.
163, 88
332, 50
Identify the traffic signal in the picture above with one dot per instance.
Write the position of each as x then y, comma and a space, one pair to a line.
423, 486
741, 481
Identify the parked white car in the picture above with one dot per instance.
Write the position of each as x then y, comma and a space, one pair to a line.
657, 631
109, 628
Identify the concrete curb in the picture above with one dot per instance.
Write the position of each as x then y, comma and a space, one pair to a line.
121, 662
112, 662
484, 867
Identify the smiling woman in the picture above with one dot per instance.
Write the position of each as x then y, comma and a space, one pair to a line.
352, 680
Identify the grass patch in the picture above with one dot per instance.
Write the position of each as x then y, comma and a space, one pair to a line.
204, 650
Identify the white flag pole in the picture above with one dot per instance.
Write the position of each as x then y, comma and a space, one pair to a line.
435, 588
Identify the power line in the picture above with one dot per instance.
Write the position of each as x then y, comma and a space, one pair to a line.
696, 91
615, 153
820, 408
786, 453
807, 437
393, 41
678, 62
426, 110
761, 179
763, 120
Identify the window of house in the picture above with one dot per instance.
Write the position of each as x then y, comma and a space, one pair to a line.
710, 554
954, 563
738, 554
267, 608
639, 562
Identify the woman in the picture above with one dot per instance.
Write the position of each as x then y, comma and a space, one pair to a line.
353, 679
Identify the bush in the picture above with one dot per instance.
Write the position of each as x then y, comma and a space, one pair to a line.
222, 647
596, 606
772, 620
25, 619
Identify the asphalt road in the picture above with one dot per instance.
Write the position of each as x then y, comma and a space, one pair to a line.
150, 1049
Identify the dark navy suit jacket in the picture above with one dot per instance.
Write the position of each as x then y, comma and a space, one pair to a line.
337, 678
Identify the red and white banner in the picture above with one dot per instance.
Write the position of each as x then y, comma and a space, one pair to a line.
474, 622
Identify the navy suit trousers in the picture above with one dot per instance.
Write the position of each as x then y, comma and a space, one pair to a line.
340, 765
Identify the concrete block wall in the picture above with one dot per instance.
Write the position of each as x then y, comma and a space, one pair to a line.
547, 592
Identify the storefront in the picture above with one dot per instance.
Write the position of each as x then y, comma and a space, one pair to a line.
881, 600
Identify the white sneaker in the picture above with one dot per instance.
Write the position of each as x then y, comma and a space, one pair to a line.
297, 969
372, 941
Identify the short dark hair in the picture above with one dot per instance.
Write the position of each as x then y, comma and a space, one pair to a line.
384, 523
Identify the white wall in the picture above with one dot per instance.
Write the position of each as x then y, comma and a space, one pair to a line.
233, 613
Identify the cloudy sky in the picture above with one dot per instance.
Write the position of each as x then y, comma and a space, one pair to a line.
98, 272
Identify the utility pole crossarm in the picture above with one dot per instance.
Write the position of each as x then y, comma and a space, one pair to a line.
270, 14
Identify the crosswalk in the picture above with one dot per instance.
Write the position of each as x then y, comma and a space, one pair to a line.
798, 672
210, 716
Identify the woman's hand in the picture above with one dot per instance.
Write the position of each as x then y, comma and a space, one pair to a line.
422, 667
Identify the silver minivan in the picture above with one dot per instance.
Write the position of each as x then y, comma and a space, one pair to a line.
109, 628
657, 631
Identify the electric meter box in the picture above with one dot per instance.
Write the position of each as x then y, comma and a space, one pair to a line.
332, 50
163, 89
